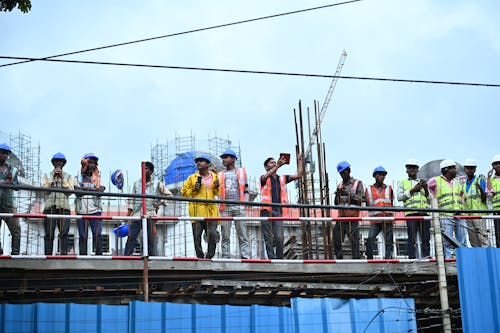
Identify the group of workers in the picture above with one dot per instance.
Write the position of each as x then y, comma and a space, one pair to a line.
231, 185
452, 193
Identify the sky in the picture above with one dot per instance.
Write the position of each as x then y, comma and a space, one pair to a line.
120, 112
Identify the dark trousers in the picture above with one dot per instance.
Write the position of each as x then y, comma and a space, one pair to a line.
424, 228
273, 235
375, 229
15, 232
210, 228
83, 234
135, 228
50, 227
341, 229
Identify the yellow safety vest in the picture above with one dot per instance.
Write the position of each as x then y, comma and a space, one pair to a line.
416, 200
448, 197
472, 198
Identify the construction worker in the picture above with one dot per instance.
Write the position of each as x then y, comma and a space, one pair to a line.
493, 186
474, 198
350, 192
413, 192
379, 195
8, 176
89, 179
57, 203
203, 184
273, 190
233, 186
153, 187
447, 189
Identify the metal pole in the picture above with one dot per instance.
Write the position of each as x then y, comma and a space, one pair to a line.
144, 235
443, 288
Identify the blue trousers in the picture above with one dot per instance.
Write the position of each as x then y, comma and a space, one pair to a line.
83, 234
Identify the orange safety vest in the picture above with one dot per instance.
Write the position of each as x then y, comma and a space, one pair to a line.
379, 199
349, 212
266, 196
241, 175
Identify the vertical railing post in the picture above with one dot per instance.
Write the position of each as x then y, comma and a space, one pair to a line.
443, 288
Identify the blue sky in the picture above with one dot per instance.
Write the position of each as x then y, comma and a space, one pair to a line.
119, 113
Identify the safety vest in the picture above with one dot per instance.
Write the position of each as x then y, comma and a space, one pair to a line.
379, 199
352, 192
495, 199
472, 198
241, 175
448, 197
416, 200
266, 196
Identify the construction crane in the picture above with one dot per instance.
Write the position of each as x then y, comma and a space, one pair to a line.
324, 107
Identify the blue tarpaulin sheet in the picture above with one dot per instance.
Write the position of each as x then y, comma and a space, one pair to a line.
304, 316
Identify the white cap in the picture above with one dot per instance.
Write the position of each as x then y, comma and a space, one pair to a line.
495, 158
447, 163
412, 161
470, 162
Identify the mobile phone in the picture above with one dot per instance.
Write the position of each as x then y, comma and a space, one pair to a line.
286, 157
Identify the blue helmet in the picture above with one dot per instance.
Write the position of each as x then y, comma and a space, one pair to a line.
90, 155
203, 157
121, 231
379, 169
229, 152
4, 146
117, 179
342, 166
58, 156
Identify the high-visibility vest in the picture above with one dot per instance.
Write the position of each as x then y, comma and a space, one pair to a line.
266, 196
352, 192
379, 199
241, 175
472, 198
448, 197
416, 200
495, 199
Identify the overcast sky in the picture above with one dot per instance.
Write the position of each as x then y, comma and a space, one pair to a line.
119, 112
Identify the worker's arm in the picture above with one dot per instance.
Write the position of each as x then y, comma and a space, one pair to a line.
300, 168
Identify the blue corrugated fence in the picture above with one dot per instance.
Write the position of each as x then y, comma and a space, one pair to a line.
304, 316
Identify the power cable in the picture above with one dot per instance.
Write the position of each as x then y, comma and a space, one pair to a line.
242, 71
184, 32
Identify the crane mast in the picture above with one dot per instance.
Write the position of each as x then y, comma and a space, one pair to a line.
324, 107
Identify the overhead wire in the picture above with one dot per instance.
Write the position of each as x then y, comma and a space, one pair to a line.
185, 32
242, 71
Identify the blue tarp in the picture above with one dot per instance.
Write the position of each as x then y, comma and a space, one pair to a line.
304, 316
479, 288
180, 168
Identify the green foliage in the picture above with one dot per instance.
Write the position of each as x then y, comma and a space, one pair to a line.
9, 5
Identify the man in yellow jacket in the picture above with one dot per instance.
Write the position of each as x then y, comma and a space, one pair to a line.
203, 184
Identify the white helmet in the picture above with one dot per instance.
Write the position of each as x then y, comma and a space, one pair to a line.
412, 161
495, 158
469, 162
447, 163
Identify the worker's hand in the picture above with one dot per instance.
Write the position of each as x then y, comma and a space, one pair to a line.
8, 179
216, 183
281, 161
130, 212
490, 173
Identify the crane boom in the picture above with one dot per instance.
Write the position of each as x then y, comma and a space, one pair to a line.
324, 107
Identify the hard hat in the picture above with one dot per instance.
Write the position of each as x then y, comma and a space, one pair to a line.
58, 156
90, 155
342, 166
121, 231
117, 179
495, 158
230, 153
202, 157
469, 162
4, 146
379, 169
412, 161
447, 163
